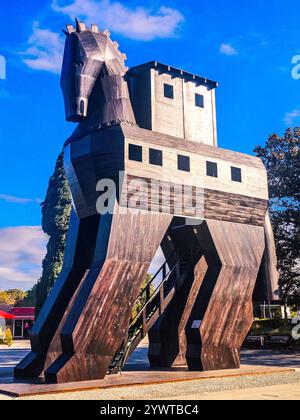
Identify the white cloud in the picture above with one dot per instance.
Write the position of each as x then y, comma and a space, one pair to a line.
292, 118
18, 200
45, 50
45, 47
228, 49
134, 23
22, 250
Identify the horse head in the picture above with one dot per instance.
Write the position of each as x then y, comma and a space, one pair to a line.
88, 53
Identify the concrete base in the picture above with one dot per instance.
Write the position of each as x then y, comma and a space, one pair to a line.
133, 378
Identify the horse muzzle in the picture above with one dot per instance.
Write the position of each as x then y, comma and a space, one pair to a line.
77, 110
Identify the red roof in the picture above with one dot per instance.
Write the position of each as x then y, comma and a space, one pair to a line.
23, 312
5, 315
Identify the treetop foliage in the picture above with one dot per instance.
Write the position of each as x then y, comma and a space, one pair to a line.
281, 156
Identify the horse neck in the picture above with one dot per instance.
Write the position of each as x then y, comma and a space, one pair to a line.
110, 101
109, 104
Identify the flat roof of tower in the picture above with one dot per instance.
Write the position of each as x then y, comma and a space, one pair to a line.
164, 68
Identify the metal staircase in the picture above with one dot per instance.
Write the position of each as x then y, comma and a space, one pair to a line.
152, 301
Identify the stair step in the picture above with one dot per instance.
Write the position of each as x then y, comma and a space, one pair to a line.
151, 308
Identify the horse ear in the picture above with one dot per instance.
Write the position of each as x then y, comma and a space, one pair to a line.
94, 28
65, 32
80, 26
70, 29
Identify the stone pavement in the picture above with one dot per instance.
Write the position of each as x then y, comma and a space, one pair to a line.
276, 392
272, 386
9, 357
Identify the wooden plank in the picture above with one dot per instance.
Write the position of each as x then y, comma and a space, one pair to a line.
99, 319
138, 378
167, 343
165, 197
55, 349
79, 252
179, 116
223, 311
163, 140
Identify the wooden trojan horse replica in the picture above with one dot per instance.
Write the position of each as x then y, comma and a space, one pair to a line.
145, 172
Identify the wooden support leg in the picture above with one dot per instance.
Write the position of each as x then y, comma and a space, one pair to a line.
167, 342
266, 288
99, 319
78, 256
223, 311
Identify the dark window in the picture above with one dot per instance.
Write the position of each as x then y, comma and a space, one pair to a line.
236, 174
212, 169
155, 157
184, 163
168, 91
135, 153
199, 100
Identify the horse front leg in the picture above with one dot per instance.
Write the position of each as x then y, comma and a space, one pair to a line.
78, 256
99, 318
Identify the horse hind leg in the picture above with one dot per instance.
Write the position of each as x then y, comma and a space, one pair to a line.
223, 311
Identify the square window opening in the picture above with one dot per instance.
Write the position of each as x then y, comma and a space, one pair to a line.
184, 163
168, 91
156, 157
199, 100
212, 169
236, 174
135, 153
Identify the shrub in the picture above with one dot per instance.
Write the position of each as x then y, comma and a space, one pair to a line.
271, 327
8, 338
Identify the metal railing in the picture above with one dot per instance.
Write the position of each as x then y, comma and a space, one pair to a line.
139, 325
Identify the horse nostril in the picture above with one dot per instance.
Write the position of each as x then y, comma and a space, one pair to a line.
81, 107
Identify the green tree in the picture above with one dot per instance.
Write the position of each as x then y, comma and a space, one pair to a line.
13, 297
56, 211
281, 156
4, 298
30, 298
143, 298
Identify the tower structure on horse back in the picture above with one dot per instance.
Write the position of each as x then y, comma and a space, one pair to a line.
145, 172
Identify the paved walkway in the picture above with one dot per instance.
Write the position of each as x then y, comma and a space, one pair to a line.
271, 393
273, 386
267, 387
10, 357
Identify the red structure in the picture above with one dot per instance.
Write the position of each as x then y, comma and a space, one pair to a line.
23, 321
6, 315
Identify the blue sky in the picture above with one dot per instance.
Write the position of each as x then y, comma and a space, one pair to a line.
246, 46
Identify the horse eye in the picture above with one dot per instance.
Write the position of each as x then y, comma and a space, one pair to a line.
79, 64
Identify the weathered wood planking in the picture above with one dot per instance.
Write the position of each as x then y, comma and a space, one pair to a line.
254, 177
78, 256
98, 321
178, 116
178, 340
167, 342
103, 154
223, 312
55, 349
192, 147
85, 319
172, 198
